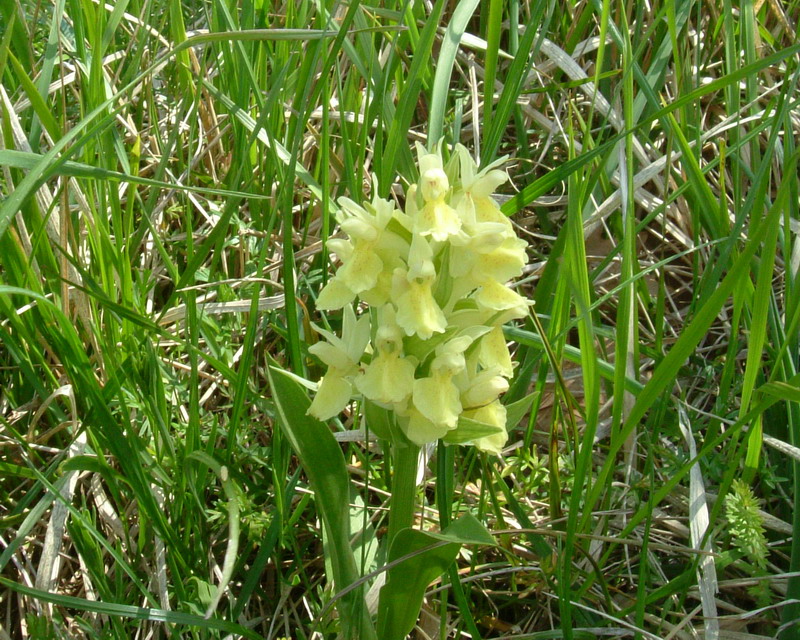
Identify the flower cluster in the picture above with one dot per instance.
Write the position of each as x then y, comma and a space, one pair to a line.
431, 346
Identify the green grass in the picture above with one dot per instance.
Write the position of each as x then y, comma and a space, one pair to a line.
169, 177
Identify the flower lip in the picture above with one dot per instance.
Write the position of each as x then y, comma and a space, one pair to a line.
388, 379
358, 228
438, 220
417, 311
493, 414
333, 394
437, 398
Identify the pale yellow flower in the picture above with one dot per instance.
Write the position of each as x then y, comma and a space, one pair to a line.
368, 257
502, 263
436, 218
437, 397
333, 394
381, 293
418, 313
389, 378
486, 237
493, 352
473, 201
479, 184
436, 278
342, 356
493, 414
419, 429
492, 252
361, 271
420, 259
485, 387
335, 295
498, 297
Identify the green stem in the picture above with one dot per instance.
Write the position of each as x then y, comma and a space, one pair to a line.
404, 489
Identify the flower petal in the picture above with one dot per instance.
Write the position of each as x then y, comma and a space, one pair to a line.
503, 263
438, 400
389, 378
420, 259
380, 294
494, 352
417, 311
333, 394
360, 229
355, 335
331, 355
495, 415
341, 247
484, 389
438, 220
486, 210
488, 236
499, 297
420, 430
334, 295
361, 271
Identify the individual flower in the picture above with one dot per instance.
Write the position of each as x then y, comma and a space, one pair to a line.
418, 313
362, 269
436, 396
436, 218
492, 253
484, 388
333, 393
335, 295
342, 357
418, 428
501, 263
389, 378
493, 414
368, 256
493, 352
498, 297
474, 201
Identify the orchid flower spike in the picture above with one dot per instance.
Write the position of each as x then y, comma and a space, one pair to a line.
431, 279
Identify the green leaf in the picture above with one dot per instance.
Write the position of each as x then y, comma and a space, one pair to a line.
516, 410
397, 136
416, 559
469, 430
782, 390
128, 611
37, 102
466, 530
10, 470
28, 160
513, 81
444, 68
324, 464
379, 421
